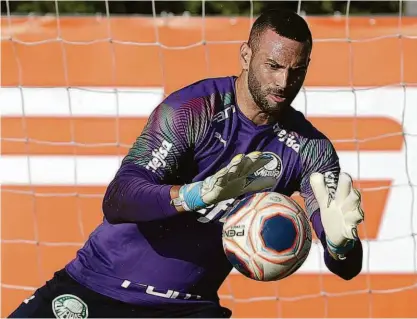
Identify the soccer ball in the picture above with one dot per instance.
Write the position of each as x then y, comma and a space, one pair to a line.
266, 236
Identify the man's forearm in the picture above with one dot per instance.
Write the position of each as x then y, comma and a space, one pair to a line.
174, 193
347, 268
133, 196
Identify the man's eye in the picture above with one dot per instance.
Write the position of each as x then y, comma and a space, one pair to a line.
273, 66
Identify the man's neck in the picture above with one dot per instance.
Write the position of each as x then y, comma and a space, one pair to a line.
248, 106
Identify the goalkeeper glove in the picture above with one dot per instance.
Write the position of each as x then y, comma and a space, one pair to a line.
236, 179
340, 211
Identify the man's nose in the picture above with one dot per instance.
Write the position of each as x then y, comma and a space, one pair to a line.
281, 78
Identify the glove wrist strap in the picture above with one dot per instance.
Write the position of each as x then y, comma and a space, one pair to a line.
339, 252
189, 197
180, 202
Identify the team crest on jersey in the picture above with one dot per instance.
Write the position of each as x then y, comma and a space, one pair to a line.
69, 306
272, 169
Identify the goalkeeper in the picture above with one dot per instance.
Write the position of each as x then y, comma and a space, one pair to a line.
158, 251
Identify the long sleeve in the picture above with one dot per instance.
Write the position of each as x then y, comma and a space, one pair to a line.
346, 269
134, 196
319, 156
159, 158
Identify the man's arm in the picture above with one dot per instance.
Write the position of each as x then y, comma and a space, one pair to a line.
145, 183
319, 155
163, 157
347, 268
133, 196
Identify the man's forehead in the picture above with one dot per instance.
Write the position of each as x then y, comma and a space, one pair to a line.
272, 43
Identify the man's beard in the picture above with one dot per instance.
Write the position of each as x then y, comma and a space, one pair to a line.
258, 96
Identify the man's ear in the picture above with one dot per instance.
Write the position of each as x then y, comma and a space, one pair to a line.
245, 56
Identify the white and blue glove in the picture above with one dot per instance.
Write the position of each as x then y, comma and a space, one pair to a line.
340, 211
234, 180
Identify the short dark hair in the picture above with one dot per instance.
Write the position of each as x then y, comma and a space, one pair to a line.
286, 23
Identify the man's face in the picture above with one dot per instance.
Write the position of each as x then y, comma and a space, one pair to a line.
277, 70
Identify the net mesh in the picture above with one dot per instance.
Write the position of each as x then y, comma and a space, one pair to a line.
59, 109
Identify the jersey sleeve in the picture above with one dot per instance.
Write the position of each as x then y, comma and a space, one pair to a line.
158, 159
168, 139
318, 155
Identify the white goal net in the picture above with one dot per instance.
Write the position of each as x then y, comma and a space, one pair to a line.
77, 90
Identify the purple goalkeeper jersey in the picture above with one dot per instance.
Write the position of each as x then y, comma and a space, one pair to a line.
145, 252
